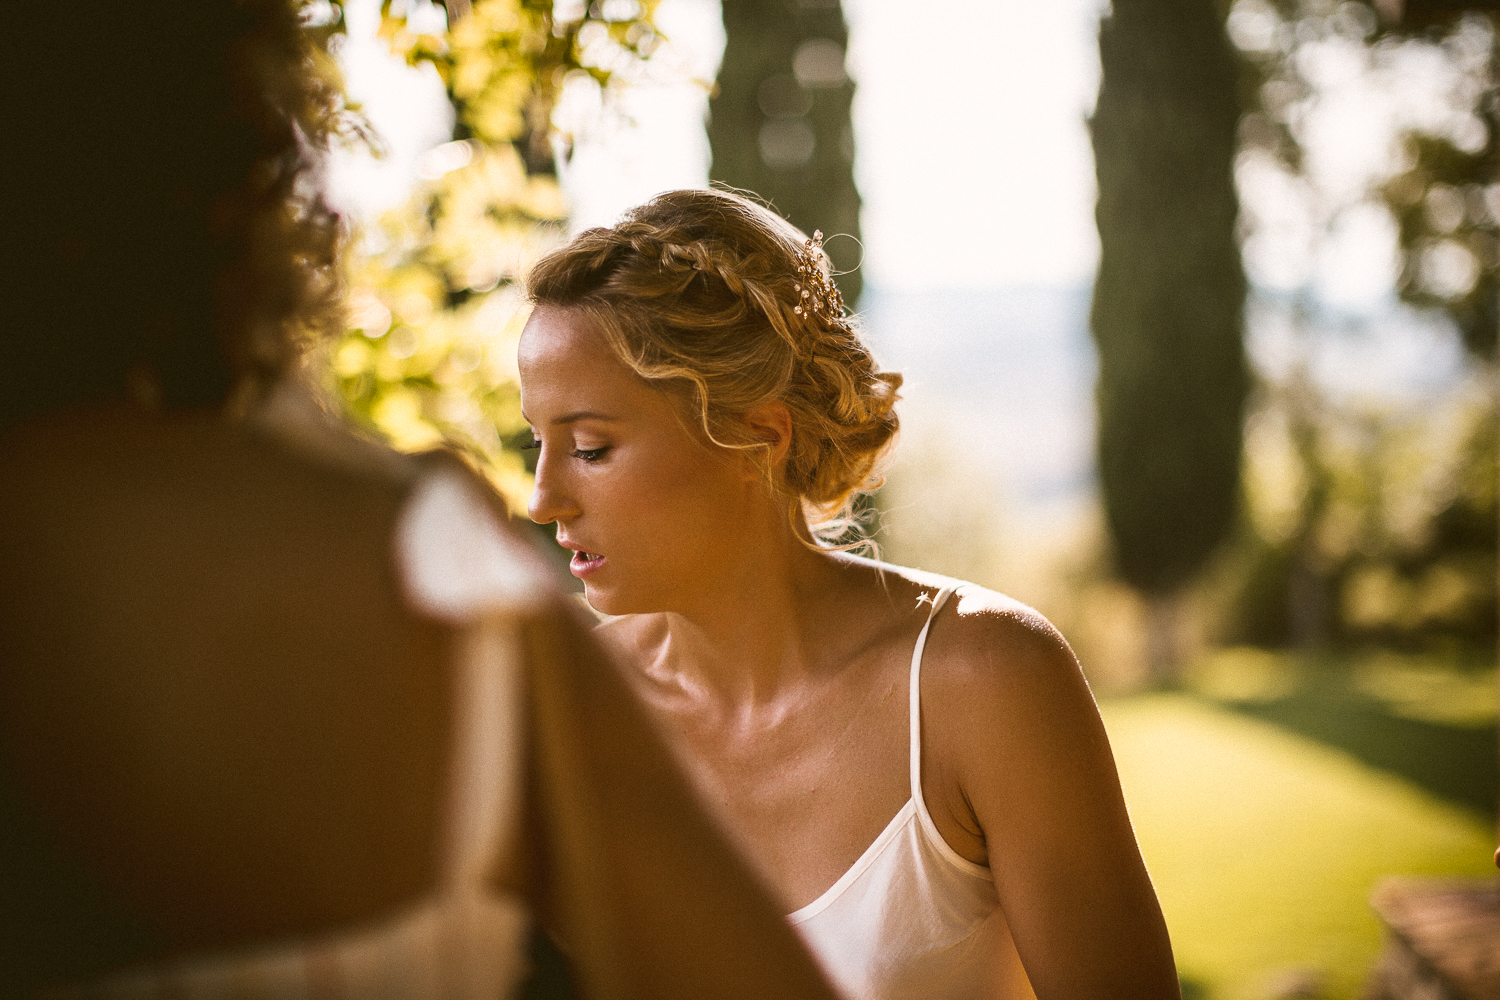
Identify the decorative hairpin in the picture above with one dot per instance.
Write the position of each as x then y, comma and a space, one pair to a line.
816, 290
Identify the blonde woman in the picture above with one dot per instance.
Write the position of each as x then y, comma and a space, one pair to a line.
915, 764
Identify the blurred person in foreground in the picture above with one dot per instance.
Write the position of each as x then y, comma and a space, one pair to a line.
282, 713
915, 762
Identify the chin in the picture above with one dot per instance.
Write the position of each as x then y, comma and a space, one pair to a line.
614, 604
603, 602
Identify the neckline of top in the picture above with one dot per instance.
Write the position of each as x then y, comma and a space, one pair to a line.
915, 805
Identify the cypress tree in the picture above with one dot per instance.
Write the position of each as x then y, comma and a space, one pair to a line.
779, 122
1168, 308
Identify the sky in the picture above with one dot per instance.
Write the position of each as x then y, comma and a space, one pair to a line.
972, 153
406, 105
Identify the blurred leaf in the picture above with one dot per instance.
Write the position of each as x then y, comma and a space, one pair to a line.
436, 304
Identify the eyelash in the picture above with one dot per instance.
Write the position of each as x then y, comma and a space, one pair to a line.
585, 454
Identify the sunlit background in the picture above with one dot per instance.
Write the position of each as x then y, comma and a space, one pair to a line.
1314, 710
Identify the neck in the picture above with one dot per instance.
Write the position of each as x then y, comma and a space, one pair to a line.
747, 640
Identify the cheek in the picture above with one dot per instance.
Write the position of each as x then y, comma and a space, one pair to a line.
678, 501
705, 485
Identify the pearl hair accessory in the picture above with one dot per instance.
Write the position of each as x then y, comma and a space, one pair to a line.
815, 289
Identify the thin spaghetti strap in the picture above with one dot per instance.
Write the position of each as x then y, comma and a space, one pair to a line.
938, 601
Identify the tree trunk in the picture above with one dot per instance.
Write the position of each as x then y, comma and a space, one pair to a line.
779, 123
1163, 639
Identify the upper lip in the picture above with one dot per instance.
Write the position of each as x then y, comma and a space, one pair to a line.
567, 544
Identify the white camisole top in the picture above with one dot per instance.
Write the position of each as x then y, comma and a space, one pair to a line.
911, 918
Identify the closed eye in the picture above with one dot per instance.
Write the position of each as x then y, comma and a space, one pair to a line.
531, 445
590, 454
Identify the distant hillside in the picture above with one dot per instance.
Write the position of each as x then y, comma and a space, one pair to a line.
1007, 374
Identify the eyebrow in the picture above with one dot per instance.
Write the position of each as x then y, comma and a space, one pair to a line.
575, 416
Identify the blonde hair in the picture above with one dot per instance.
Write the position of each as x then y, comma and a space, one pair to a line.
699, 290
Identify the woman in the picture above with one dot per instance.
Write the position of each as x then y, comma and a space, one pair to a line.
282, 714
915, 764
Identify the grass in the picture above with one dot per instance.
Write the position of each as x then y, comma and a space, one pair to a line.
1268, 808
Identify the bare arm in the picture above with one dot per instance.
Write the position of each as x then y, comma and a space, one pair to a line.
1034, 772
640, 885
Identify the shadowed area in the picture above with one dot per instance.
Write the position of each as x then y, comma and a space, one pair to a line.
1456, 763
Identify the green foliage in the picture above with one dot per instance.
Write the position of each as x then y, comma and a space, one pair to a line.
437, 302
1169, 298
1391, 537
1445, 199
1386, 533
1450, 242
779, 123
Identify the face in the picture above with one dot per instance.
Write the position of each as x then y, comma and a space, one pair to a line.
652, 510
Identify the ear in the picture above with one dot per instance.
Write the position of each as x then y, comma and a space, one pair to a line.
771, 424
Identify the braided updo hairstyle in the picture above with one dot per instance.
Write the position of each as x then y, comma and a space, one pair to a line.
700, 291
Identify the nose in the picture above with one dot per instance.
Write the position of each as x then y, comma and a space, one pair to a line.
551, 500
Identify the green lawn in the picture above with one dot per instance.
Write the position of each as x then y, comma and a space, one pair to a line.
1265, 825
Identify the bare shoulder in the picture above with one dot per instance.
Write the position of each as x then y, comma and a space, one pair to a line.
1012, 729
980, 635
990, 632
979, 630
991, 657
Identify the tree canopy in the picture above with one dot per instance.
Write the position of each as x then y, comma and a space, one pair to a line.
437, 301
1169, 299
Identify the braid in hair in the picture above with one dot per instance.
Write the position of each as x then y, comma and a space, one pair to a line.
701, 292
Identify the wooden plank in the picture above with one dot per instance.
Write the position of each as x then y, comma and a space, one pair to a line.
1450, 927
